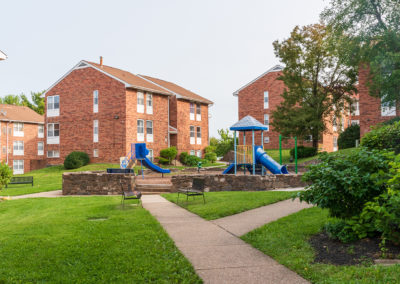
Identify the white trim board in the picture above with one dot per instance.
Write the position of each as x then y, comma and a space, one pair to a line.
276, 68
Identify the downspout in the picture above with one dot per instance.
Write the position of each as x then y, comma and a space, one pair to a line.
169, 141
7, 141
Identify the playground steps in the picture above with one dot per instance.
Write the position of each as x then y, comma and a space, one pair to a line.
154, 188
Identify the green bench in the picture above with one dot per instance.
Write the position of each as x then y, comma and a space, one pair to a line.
21, 180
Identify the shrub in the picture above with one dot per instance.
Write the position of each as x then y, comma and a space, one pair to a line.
391, 121
192, 161
344, 183
5, 174
169, 154
76, 160
347, 139
183, 157
304, 152
212, 157
162, 161
210, 149
339, 230
383, 137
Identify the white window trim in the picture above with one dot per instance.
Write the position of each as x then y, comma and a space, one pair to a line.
149, 98
192, 152
150, 156
53, 139
18, 171
18, 132
95, 106
40, 152
51, 112
266, 104
198, 115
191, 114
140, 136
198, 153
192, 139
95, 153
40, 135
150, 137
140, 107
18, 152
55, 154
266, 139
198, 140
267, 121
387, 110
95, 127
355, 121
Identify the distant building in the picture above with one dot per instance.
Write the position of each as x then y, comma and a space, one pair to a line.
21, 138
101, 110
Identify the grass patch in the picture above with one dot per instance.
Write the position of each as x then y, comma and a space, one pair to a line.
53, 240
226, 203
286, 241
48, 179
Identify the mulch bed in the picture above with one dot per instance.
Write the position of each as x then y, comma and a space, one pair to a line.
360, 252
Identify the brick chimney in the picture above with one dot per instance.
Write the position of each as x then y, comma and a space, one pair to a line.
101, 61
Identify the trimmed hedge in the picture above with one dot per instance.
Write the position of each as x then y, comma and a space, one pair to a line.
386, 137
76, 160
183, 157
168, 154
347, 139
304, 152
212, 157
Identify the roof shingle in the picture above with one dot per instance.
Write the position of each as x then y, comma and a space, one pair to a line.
19, 113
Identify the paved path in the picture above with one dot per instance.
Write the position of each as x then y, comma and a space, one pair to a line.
242, 223
54, 193
217, 255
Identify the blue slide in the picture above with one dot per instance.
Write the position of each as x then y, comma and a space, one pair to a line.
141, 152
265, 160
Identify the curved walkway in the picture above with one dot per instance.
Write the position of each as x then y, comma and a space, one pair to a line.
216, 253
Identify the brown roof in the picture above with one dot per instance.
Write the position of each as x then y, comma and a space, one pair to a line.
19, 113
131, 79
178, 90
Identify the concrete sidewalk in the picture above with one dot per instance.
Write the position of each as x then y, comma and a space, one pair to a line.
217, 255
242, 223
54, 193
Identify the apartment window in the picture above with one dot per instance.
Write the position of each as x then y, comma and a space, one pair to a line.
149, 131
266, 100
53, 106
18, 129
150, 155
198, 153
96, 101
4, 150
40, 131
198, 131
53, 133
355, 108
40, 148
140, 130
266, 139
191, 108
192, 135
95, 153
308, 138
266, 120
18, 147
198, 112
53, 154
335, 148
334, 124
388, 108
4, 130
353, 122
192, 152
342, 123
18, 167
95, 131
140, 102
149, 103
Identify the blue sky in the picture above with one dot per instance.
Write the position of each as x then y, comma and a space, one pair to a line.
209, 47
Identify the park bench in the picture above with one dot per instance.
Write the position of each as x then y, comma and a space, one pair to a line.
21, 180
128, 195
197, 189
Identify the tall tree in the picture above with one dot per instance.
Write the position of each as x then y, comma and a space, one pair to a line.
36, 103
373, 30
318, 82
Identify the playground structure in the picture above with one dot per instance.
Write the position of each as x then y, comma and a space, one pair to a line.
252, 157
138, 153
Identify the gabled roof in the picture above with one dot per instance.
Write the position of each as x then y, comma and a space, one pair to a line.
179, 91
248, 123
19, 114
276, 68
128, 79
2, 55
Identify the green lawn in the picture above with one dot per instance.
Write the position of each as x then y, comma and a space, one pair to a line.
48, 179
59, 240
286, 241
226, 203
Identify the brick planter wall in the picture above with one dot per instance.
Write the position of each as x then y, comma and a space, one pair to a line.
239, 183
95, 183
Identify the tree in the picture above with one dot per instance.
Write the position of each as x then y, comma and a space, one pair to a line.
36, 103
225, 143
318, 82
373, 31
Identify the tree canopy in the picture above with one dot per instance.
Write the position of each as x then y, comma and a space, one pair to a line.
318, 82
36, 103
373, 31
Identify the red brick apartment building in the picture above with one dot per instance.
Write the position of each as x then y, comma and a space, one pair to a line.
21, 138
101, 110
260, 97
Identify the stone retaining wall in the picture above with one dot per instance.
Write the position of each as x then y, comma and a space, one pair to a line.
239, 183
95, 183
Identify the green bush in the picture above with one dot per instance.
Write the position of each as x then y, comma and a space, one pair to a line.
347, 139
391, 121
210, 149
344, 183
76, 160
383, 137
212, 157
339, 230
163, 161
5, 174
304, 152
192, 161
183, 157
169, 154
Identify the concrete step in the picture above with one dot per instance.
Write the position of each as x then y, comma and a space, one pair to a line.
154, 187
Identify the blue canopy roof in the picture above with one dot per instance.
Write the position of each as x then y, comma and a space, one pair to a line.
248, 123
